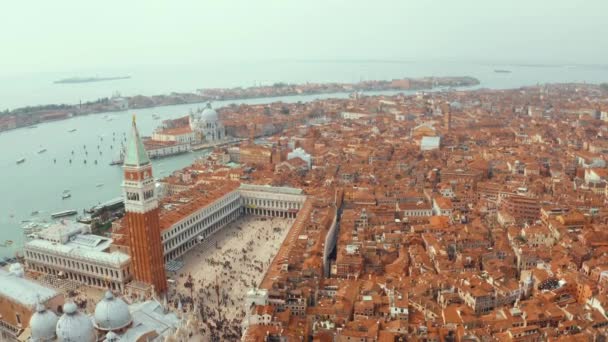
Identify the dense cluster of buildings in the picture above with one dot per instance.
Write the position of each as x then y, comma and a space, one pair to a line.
461, 216
451, 216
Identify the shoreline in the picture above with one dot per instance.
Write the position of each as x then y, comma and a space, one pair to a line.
30, 116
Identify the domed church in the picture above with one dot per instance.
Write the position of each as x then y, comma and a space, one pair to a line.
113, 321
74, 326
112, 314
208, 124
42, 324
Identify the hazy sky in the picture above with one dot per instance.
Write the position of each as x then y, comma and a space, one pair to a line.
63, 35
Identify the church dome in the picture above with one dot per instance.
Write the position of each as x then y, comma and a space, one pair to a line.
42, 324
209, 114
74, 326
112, 313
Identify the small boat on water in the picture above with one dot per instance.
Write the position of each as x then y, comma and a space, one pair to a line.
121, 158
42, 150
155, 116
20, 160
502, 71
66, 196
64, 213
35, 212
72, 130
99, 185
30, 127
85, 220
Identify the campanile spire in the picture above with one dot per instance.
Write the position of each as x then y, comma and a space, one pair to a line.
142, 214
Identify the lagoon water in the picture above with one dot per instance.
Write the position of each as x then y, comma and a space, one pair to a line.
38, 183
19, 90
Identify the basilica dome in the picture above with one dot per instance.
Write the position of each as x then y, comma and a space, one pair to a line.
209, 114
112, 313
74, 326
42, 324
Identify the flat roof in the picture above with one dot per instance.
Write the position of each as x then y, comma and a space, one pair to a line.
268, 188
90, 241
75, 251
63, 231
24, 291
148, 316
430, 140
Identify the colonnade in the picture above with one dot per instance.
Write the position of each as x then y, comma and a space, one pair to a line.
83, 278
201, 230
270, 212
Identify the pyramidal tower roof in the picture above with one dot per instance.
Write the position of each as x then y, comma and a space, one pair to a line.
135, 153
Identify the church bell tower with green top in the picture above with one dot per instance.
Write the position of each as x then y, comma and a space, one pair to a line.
142, 215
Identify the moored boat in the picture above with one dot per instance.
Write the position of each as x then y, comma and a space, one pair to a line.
64, 213
85, 220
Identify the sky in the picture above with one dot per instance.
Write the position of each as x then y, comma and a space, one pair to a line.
61, 35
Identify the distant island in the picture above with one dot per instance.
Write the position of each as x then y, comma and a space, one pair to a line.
32, 115
90, 79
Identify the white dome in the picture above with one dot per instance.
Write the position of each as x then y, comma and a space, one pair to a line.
16, 269
112, 313
74, 326
42, 324
209, 114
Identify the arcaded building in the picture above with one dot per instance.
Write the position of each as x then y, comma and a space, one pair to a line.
67, 250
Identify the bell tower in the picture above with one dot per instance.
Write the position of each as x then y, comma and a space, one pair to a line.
141, 215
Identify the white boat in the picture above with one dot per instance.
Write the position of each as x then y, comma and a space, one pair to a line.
64, 213
65, 196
